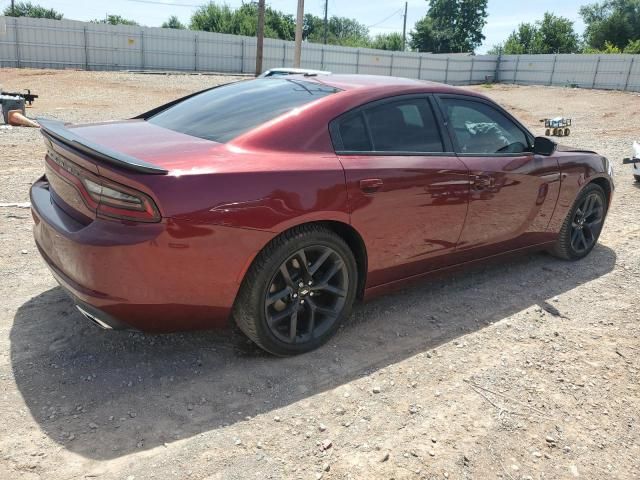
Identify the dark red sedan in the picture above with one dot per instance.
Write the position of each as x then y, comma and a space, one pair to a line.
277, 202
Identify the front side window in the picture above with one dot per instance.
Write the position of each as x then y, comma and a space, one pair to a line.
226, 112
401, 126
481, 129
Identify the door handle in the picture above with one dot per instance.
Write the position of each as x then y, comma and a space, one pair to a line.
481, 182
371, 185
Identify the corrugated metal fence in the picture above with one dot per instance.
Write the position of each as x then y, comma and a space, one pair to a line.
41, 43
609, 72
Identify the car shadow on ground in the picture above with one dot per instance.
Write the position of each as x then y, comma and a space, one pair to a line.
105, 394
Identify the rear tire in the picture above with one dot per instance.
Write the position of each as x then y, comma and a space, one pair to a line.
583, 225
637, 178
298, 291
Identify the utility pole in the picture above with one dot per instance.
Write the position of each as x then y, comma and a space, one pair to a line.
13, 8
260, 37
326, 11
299, 22
404, 28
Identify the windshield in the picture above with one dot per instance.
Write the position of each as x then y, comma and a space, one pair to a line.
223, 113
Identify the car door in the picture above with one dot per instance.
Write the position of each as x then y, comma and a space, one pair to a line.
407, 190
513, 191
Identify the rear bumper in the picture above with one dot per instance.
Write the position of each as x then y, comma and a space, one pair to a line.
159, 277
98, 317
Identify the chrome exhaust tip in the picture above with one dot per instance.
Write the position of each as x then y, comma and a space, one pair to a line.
100, 323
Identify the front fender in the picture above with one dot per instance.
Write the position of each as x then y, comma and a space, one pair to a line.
577, 170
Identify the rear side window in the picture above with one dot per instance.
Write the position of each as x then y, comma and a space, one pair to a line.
354, 134
481, 129
402, 126
226, 112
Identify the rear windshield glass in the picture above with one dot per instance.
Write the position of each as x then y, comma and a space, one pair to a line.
223, 113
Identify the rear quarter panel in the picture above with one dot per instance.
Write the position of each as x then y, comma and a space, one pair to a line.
269, 191
257, 203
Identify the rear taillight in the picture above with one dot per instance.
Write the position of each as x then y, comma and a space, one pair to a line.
117, 201
109, 199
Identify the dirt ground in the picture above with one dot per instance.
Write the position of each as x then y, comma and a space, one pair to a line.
529, 369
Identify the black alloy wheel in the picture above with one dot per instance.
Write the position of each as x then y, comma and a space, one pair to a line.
587, 223
307, 294
583, 224
298, 291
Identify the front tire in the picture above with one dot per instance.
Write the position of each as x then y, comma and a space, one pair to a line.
637, 178
298, 291
581, 229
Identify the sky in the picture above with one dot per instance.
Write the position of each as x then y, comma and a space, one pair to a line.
381, 16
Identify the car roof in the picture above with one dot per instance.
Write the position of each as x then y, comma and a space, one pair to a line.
291, 130
299, 70
380, 82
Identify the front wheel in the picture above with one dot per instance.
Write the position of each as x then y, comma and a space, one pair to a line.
637, 178
582, 227
298, 291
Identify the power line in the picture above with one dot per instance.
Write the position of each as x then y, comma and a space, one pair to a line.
167, 4
387, 27
385, 19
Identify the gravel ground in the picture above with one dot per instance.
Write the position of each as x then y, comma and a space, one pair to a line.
529, 369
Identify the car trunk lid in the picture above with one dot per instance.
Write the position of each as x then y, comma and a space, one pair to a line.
121, 158
133, 145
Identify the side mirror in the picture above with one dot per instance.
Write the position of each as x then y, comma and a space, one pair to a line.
544, 146
630, 161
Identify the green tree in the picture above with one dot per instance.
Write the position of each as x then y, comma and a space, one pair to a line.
450, 26
387, 41
115, 20
552, 34
213, 17
313, 27
27, 9
423, 38
556, 35
613, 21
497, 49
242, 21
340, 31
347, 31
173, 22
632, 47
608, 49
525, 39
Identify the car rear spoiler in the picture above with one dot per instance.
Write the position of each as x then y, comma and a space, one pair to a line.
58, 131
